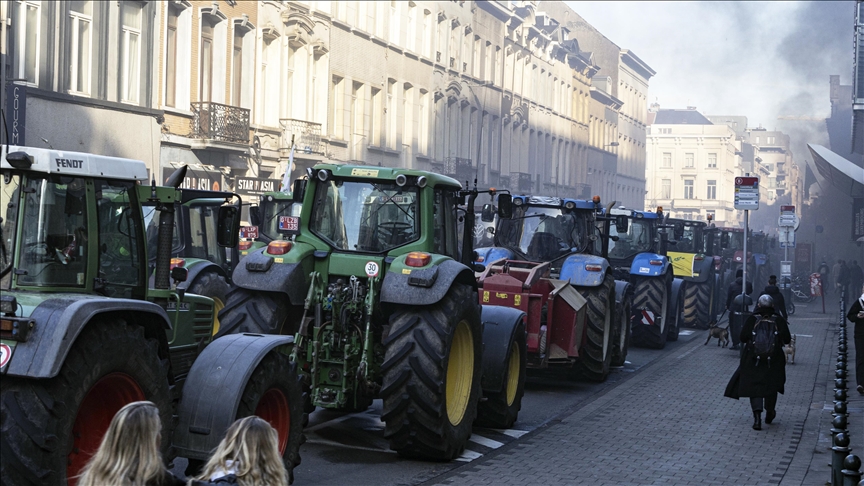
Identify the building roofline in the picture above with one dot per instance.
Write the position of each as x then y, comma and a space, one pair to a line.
633, 60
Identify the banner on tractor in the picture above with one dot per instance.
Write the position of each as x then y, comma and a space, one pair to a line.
682, 263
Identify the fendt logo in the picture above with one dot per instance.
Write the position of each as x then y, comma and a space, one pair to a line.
69, 163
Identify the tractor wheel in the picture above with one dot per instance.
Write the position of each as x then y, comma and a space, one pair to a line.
49, 429
697, 304
674, 327
500, 410
210, 284
274, 392
254, 311
432, 368
621, 336
651, 294
596, 351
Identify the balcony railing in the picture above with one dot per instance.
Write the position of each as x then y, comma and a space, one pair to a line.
218, 122
526, 182
459, 168
307, 135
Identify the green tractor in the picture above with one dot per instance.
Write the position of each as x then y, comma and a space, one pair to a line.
82, 333
385, 305
265, 218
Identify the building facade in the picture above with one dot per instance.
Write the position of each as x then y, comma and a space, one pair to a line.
691, 167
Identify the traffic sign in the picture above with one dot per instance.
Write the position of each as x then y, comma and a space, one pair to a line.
746, 193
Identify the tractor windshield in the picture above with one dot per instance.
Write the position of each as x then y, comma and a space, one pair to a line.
8, 226
734, 240
690, 240
365, 216
543, 233
639, 238
270, 212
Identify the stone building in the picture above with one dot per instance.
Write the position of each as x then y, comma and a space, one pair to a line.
691, 166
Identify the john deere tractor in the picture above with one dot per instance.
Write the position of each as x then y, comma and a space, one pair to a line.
265, 218
82, 333
387, 306
565, 237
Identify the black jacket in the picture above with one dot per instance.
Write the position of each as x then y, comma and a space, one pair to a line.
779, 301
229, 480
760, 379
735, 289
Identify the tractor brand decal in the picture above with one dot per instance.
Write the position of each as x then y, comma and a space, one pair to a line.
485, 296
517, 300
371, 267
364, 172
647, 318
501, 295
69, 164
644, 270
279, 260
184, 306
5, 355
406, 271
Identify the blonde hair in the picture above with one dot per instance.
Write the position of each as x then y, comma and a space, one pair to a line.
129, 452
251, 445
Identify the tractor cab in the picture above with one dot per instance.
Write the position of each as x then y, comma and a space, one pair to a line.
632, 233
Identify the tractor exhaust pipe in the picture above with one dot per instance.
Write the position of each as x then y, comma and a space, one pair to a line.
166, 233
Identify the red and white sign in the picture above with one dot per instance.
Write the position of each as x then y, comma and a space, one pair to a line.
5, 355
250, 232
289, 223
647, 318
746, 193
371, 269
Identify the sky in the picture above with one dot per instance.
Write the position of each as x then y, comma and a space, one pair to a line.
757, 59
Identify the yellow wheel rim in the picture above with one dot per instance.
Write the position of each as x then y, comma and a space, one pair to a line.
218, 305
513, 375
460, 373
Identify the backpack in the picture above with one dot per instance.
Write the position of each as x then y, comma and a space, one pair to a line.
764, 339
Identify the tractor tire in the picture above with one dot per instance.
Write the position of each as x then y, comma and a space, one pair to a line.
210, 284
499, 410
50, 428
653, 294
255, 312
596, 352
697, 305
431, 376
274, 392
621, 336
674, 327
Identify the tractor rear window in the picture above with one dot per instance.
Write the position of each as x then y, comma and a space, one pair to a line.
365, 216
638, 239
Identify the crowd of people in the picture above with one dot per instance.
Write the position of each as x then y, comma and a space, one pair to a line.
129, 454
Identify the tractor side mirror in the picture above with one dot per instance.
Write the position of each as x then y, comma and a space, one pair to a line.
622, 223
505, 206
228, 226
298, 190
488, 213
255, 215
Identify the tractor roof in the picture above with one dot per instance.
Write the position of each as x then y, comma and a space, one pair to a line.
621, 210
387, 173
554, 201
82, 164
688, 222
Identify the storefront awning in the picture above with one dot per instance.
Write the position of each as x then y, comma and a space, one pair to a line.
841, 173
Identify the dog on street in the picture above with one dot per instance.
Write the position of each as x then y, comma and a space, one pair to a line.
721, 333
789, 349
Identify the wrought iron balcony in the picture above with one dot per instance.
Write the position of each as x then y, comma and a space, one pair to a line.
459, 168
218, 122
526, 182
307, 136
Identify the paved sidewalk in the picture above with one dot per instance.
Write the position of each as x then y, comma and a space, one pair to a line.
670, 424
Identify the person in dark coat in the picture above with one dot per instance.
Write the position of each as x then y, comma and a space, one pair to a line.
856, 278
779, 301
761, 381
856, 315
736, 307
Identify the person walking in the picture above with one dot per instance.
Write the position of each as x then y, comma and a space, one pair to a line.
779, 301
856, 278
129, 452
856, 315
247, 456
761, 373
843, 280
835, 276
736, 306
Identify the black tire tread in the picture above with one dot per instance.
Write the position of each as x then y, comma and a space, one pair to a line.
593, 364
621, 346
649, 293
210, 284
494, 412
253, 311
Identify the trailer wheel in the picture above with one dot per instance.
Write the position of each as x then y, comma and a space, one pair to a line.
274, 392
49, 429
210, 284
651, 294
500, 410
596, 351
255, 312
432, 368
621, 336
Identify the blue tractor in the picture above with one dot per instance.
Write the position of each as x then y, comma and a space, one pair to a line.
637, 253
568, 234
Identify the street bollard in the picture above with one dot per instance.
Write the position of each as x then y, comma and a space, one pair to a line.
840, 374
839, 384
851, 470
839, 428
840, 395
838, 455
840, 409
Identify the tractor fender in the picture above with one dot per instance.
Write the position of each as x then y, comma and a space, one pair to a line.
642, 265
491, 254
622, 288
397, 288
286, 278
702, 270
59, 322
196, 268
222, 370
677, 292
499, 324
574, 270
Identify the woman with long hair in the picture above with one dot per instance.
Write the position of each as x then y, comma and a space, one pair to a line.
247, 456
129, 452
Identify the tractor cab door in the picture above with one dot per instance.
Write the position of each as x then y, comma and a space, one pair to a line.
446, 226
122, 264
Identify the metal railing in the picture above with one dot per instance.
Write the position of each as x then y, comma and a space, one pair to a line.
307, 135
223, 123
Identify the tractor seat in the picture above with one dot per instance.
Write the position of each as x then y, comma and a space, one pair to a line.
543, 247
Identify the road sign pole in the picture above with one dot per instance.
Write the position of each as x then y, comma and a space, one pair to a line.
746, 261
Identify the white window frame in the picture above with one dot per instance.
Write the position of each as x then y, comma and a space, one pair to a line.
76, 19
712, 160
689, 189
665, 188
689, 160
126, 33
711, 187
22, 38
666, 162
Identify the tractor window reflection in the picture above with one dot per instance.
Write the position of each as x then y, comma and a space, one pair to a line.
637, 239
119, 266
